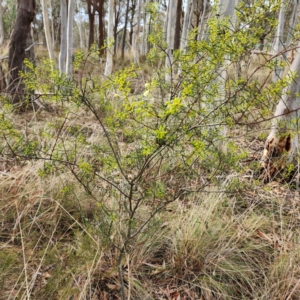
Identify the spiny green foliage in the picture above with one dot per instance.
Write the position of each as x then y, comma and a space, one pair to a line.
135, 156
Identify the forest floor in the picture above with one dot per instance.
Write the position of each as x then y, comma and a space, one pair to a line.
220, 243
238, 237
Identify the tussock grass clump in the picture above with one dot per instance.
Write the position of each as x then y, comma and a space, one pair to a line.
52, 246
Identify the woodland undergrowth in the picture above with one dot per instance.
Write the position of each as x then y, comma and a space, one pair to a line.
134, 187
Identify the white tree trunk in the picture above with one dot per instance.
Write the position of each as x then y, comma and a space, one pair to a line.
63, 38
52, 24
78, 22
201, 26
227, 9
136, 35
44, 4
171, 38
79, 25
278, 42
70, 28
166, 23
283, 137
187, 15
1, 26
145, 29
110, 36
292, 23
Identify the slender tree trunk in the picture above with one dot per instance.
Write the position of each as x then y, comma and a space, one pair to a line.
52, 24
99, 9
186, 22
79, 25
278, 42
91, 14
116, 24
47, 29
131, 33
115, 39
201, 26
166, 23
227, 9
63, 40
292, 23
136, 36
125, 30
131, 22
145, 29
70, 37
2, 80
171, 38
178, 24
17, 46
1, 26
80, 34
148, 29
110, 33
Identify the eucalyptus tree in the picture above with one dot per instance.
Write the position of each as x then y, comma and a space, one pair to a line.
49, 39
282, 142
110, 41
93, 7
186, 23
17, 46
283, 137
99, 7
70, 28
171, 37
145, 28
125, 29
132, 20
1, 25
136, 35
79, 21
201, 25
279, 41
91, 14
117, 21
63, 37
292, 23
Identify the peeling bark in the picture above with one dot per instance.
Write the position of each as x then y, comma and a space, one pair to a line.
282, 143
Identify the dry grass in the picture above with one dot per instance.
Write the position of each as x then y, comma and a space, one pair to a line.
236, 239
227, 242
